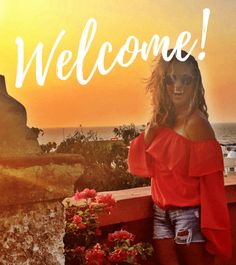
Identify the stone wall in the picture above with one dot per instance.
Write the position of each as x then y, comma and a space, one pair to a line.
31, 212
32, 234
16, 137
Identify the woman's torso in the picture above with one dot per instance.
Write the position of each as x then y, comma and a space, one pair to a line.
169, 158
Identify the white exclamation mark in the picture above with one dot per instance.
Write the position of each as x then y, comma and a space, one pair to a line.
206, 14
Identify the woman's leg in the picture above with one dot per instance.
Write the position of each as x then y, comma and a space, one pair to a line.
165, 252
194, 253
190, 243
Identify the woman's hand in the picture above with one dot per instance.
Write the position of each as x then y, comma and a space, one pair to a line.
150, 132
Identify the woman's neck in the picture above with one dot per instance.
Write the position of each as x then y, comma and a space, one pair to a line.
181, 112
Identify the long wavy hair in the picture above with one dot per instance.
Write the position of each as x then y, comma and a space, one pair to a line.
163, 111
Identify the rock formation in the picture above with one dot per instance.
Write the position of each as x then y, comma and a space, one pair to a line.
15, 137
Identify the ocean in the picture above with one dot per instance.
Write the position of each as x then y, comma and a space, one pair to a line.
225, 133
57, 135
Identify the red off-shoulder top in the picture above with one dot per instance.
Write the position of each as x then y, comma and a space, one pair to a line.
186, 173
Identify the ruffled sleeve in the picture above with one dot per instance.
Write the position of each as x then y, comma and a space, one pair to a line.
205, 158
138, 161
206, 162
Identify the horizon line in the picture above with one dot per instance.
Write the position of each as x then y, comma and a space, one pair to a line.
116, 125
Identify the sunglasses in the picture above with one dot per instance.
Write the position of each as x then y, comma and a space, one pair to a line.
186, 80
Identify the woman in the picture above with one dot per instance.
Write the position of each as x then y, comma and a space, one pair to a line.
178, 150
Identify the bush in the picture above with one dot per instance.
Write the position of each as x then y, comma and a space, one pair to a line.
87, 244
49, 147
105, 166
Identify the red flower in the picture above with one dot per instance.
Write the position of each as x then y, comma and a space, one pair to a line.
95, 256
107, 200
120, 235
80, 249
118, 255
85, 194
77, 219
133, 252
98, 232
82, 226
91, 208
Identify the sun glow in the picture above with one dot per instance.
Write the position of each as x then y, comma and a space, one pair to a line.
118, 97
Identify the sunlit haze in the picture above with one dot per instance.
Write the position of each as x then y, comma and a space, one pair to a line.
119, 97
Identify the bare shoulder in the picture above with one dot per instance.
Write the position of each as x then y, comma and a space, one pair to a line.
199, 128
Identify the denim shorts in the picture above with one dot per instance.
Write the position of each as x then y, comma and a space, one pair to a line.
181, 224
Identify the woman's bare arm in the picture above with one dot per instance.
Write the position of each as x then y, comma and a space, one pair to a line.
150, 133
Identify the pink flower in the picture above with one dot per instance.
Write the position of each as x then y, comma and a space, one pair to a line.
85, 194
120, 235
91, 208
107, 200
90, 193
77, 219
95, 256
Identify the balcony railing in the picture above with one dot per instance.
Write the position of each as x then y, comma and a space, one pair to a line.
134, 212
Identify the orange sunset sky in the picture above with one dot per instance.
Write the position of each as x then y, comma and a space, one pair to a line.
119, 97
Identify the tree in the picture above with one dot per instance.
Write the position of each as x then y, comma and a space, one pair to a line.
105, 162
127, 132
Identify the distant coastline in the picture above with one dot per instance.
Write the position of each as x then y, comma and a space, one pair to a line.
225, 132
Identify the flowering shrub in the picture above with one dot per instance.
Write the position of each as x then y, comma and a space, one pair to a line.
85, 242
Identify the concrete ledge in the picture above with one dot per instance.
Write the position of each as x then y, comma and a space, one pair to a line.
132, 205
39, 160
136, 204
230, 188
38, 178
